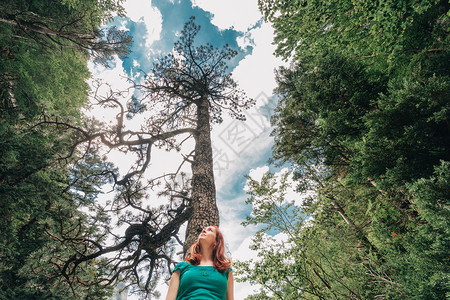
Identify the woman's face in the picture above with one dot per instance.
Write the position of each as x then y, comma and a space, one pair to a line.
208, 236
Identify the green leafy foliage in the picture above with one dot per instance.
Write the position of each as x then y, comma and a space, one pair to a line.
40, 194
59, 26
363, 120
358, 28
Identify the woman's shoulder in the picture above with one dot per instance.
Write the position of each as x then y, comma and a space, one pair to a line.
181, 266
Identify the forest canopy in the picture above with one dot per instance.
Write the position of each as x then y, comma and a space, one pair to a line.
45, 47
363, 121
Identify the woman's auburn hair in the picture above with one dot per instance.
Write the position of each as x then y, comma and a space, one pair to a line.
220, 261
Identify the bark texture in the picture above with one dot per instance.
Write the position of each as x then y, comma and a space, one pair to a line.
204, 207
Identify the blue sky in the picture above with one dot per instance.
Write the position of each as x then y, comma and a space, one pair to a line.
240, 148
174, 16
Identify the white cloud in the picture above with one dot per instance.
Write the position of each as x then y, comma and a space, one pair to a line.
143, 11
244, 41
244, 289
123, 25
136, 63
230, 224
244, 253
230, 160
238, 239
257, 174
290, 194
114, 76
232, 13
255, 73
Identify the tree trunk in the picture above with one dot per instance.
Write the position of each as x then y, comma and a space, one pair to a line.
203, 196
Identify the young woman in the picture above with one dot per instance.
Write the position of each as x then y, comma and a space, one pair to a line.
206, 273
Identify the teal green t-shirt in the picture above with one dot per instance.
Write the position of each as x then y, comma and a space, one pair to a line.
201, 282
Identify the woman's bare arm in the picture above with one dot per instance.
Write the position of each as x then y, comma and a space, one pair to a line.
173, 286
230, 293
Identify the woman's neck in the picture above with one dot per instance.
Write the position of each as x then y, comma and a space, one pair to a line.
207, 257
